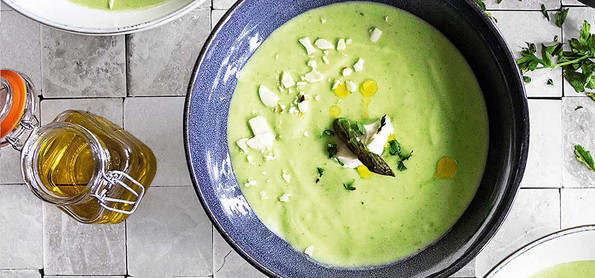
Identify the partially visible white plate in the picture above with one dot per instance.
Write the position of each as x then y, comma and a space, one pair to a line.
571, 245
65, 15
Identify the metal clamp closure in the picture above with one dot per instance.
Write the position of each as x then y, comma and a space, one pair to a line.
114, 179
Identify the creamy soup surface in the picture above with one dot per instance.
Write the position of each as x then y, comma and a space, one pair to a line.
579, 269
361, 62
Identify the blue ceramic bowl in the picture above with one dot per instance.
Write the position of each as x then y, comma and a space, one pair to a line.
233, 42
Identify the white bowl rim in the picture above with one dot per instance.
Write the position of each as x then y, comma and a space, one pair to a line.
561, 233
107, 31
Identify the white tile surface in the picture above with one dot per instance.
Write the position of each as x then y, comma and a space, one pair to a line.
110, 108
162, 133
579, 129
21, 47
572, 3
20, 273
577, 207
535, 213
96, 67
544, 166
83, 276
216, 15
522, 5
170, 235
519, 27
227, 263
222, 4
21, 228
71, 248
161, 60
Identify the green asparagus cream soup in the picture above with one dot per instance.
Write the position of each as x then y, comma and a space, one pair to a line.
118, 4
580, 269
358, 133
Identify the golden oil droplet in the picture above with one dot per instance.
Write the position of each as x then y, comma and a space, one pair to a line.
341, 91
446, 168
364, 172
368, 89
335, 111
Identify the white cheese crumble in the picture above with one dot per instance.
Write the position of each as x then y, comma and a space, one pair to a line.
261, 141
375, 35
326, 52
347, 71
304, 106
250, 183
325, 60
336, 84
317, 98
306, 133
309, 251
386, 18
348, 41
249, 159
242, 144
287, 80
312, 64
323, 44
286, 176
341, 44
308, 45
302, 83
263, 195
267, 96
351, 86
264, 173
322, 20
359, 65
285, 197
293, 110
314, 76
259, 125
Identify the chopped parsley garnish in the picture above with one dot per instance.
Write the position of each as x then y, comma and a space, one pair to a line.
359, 128
556, 38
328, 132
561, 17
382, 123
577, 65
527, 79
544, 12
584, 156
550, 82
349, 185
394, 148
320, 171
401, 166
331, 149
482, 5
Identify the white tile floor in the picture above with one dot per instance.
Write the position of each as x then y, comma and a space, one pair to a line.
139, 81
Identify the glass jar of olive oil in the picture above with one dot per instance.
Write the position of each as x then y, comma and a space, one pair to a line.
87, 166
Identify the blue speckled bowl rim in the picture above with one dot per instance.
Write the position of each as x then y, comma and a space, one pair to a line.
499, 213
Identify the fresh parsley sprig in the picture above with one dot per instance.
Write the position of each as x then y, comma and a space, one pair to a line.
577, 64
584, 156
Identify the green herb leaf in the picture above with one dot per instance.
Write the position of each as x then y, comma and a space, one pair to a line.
544, 12
591, 95
328, 132
556, 38
401, 166
550, 82
481, 4
406, 156
331, 149
320, 171
394, 148
359, 128
527, 79
584, 157
561, 17
349, 185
